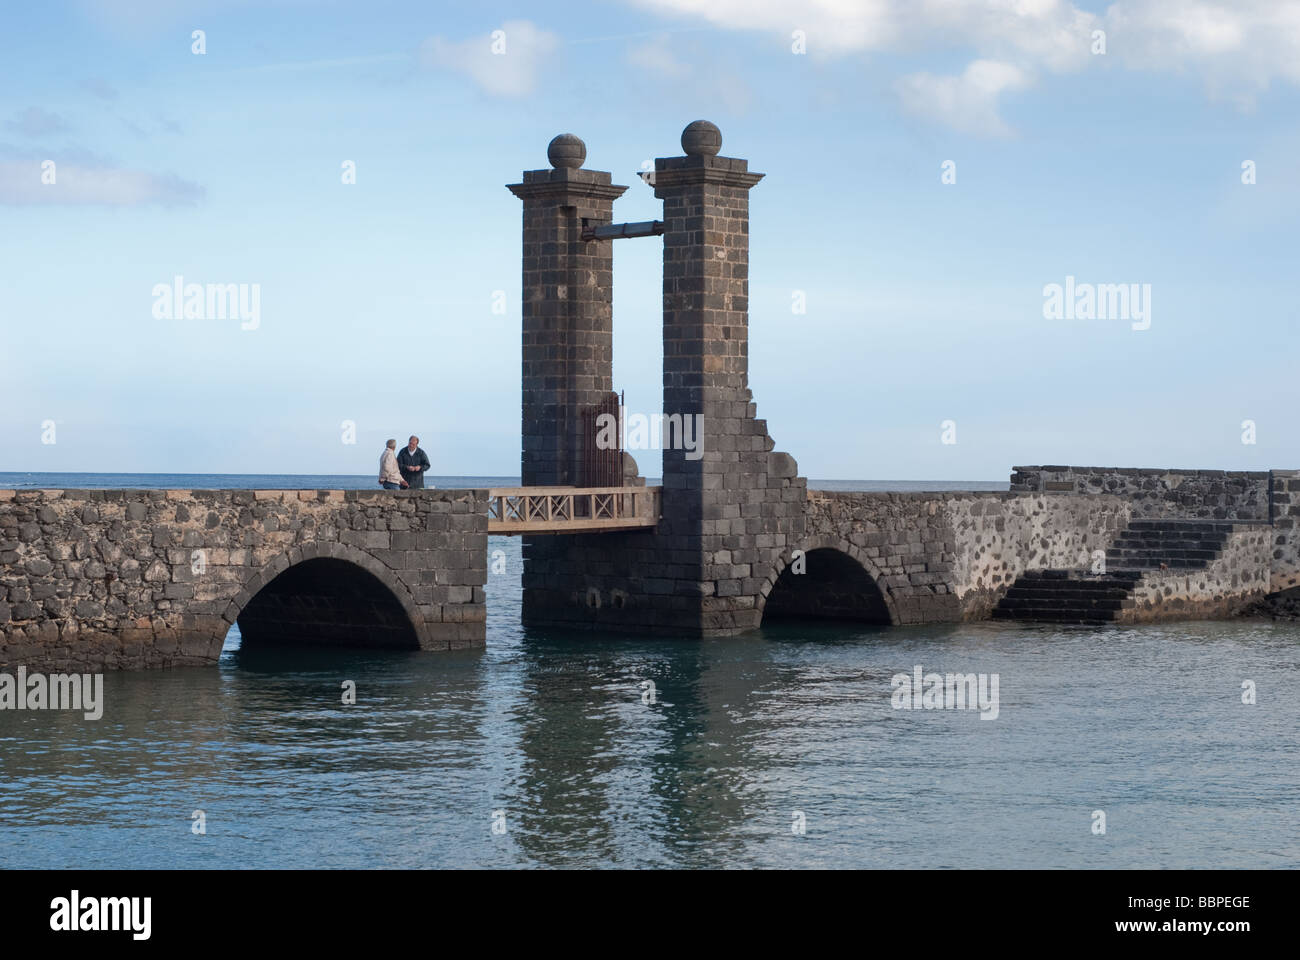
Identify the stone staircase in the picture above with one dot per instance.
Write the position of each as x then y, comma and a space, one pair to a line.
1178, 544
1068, 596
1078, 596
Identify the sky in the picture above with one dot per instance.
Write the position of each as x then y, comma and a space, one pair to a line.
932, 168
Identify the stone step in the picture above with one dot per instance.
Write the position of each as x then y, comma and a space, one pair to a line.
1053, 615
1068, 596
1061, 602
1082, 576
1128, 564
1173, 541
1120, 552
1031, 593
1092, 588
1182, 526
1110, 578
1138, 543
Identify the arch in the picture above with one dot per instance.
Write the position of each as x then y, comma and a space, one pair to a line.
337, 555
869, 570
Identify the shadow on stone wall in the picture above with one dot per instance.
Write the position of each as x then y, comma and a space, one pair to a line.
329, 603
833, 587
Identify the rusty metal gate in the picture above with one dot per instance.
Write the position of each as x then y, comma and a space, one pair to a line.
603, 467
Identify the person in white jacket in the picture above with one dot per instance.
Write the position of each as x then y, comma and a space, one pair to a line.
390, 478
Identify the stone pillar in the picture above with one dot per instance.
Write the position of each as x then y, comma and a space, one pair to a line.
732, 494
567, 310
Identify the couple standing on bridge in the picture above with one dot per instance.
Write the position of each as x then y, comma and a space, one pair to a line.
400, 471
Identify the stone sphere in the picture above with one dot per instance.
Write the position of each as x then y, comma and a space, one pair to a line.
566, 150
701, 139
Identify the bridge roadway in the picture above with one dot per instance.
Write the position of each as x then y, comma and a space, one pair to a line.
540, 510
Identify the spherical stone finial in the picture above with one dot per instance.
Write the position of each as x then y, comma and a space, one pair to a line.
566, 150
701, 139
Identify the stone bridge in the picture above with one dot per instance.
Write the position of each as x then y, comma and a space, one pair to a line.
733, 538
152, 578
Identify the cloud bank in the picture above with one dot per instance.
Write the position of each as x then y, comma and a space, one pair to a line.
1239, 48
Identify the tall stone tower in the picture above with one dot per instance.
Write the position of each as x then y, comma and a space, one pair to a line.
568, 332
731, 507
738, 495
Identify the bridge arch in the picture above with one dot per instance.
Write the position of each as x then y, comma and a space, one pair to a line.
841, 582
337, 592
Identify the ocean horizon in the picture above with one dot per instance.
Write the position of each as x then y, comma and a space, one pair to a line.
37, 480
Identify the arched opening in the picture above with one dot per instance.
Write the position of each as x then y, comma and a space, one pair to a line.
326, 602
831, 586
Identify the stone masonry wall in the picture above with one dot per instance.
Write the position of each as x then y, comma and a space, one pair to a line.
950, 556
121, 579
1191, 494
1227, 585
567, 312
1248, 496
1284, 559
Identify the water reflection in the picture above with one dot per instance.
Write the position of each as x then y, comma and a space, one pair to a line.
551, 728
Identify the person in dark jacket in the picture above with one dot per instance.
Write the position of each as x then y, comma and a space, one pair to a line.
414, 463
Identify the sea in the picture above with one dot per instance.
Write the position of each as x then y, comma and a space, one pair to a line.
1166, 746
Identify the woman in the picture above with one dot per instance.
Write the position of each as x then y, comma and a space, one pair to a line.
390, 478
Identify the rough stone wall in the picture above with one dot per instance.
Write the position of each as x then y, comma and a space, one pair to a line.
1227, 585
567, 307
108, 579
950, 556
1001, 537
1284, 559
1192, 494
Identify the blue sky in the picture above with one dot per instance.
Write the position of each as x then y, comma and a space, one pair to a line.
924, 299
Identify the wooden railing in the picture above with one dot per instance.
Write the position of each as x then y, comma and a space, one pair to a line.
572, 509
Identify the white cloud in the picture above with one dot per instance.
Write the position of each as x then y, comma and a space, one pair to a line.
1052, 32
81, 179
1238, 47
511, 73
969, 102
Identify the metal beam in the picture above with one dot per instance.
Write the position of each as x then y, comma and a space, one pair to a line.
617, 231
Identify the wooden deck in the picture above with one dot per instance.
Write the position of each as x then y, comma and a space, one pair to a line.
516, 510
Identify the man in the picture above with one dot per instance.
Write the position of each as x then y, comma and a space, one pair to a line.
414, 463
389, 477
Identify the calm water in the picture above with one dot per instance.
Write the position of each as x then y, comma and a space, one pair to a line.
550, 730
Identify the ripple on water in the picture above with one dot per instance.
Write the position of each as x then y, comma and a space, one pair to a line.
550, 734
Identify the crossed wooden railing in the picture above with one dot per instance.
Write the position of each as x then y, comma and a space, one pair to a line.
572, 509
